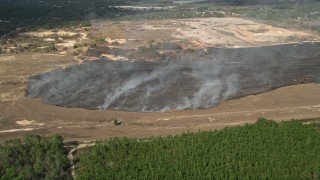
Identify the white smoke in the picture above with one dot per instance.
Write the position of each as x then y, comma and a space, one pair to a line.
211, 91
143, 86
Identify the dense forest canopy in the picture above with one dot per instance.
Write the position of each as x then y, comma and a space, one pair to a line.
287, 150
264, 150
260, 2
34, 157
27, 15
149, 1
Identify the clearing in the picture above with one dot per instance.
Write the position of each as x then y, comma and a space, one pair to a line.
133, 41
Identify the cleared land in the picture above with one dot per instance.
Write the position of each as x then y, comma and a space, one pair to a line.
299, 101
191, 83
145, 40
173, 39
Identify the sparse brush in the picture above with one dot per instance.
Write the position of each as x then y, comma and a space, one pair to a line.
116, 122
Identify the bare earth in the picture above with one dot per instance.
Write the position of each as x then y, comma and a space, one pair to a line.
207, 32
20, 115
237, 32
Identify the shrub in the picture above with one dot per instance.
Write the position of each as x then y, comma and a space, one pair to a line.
116, 122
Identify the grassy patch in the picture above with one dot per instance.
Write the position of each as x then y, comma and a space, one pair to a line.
291, 15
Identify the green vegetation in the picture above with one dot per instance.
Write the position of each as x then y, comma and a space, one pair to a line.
30, 17
172, 14
266, 149
25, 15
116, 122
304, 15
34, 158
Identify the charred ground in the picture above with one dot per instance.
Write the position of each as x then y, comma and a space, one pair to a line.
189, 84
144, 37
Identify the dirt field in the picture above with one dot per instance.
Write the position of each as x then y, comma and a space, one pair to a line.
20, 115
206, 32
237, 32
169, 39
188, 83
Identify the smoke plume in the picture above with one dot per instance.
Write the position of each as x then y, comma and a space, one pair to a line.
184, 84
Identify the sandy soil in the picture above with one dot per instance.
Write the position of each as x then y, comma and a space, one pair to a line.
20, 115
150, 87
50, 33
171, 38
235, 32
209, 32
189, 34
113, 57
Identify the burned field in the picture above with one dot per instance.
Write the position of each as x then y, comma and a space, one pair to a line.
178, 85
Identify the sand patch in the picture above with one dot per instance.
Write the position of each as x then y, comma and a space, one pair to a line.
28, 123
7, 97
49, 39
115, 41
7, 58
68, 44
50, 33
16, 130
113, 57
231, 32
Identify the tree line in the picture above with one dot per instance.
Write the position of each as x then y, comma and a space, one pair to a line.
34, 157
264, 150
